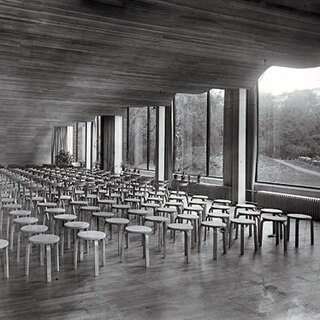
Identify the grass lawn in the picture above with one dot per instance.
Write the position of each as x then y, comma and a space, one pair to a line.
274, 172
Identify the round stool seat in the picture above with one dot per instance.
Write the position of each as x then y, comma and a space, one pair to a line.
13, 206
245, 206
47, 204
219, 207
77, 225
107, 201
91, 235
139, 194
63, 197
187, 216
37, 199
174, 204
274, 218
55, 210
120, 221
222, 201
242, 221
8, 200
44, 239
103, 214
90, 208
138, 212
34, 228
197, 202
154, 199
156, 219
167, 210
121, 206
180, 226
139, 229
174, 197
299, 216
200, 197
115, 195
214, 224
134, 200
3, 243
20, 213
218, 214
65, 217
195, 208
249, 213
79, 203
91, 196
26, 220
271, 211
150, 205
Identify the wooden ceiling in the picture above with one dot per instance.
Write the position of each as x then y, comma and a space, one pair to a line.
73, 56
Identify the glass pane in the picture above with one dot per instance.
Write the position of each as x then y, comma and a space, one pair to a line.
191, 131
81, 142
289, 127
138, 137
216, 132
152, 137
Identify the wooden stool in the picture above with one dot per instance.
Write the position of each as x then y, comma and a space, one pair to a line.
49, 213
162, 221
42, 206
100, 214
217, 214
194, 222
134, 202
46, 240
244, 206
201, 203
76, 227
252, 215
76, 206
8, 207
186, 229
15, 214
4, 244
215, 224
120, 222
149, 205
89, 210
299, 217
95, 236
242, 223
177, 205
29, 229
224, 202
199, 197
139, 213
171, 212
279, 222
106, 204
63, 218
20, 221
196, 209
144, 231
222, 208
123, 209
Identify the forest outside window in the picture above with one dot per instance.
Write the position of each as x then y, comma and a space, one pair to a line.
289, 127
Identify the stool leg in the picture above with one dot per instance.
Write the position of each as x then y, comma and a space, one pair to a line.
285, 230
18, 246
242, 240
224, 237
311, 232
62, 240
69, 239
27, 257
215, 244
75, 256
164, 245
57, 257
230, 233
261, 233
199, 238
121, 247
96, 258
288, 229
103, 252
188, 245
255, 234
8, 226
159, 237
297, 234
146, 250
11, 235
48, 262
81, 249
6, 263
41, 254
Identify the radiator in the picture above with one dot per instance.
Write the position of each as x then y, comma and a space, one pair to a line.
289, 203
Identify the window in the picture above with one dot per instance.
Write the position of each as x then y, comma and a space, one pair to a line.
199, 133
289, 127
141, 124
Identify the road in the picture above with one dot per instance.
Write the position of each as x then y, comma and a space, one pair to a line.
314, 173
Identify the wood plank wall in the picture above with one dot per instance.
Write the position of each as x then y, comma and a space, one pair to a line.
67, 60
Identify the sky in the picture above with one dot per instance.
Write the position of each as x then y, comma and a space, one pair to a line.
277, 80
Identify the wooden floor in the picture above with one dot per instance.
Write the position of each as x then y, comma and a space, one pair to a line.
266, 285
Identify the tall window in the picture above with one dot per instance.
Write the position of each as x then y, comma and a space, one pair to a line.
141, 124
289, 127
199, 133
